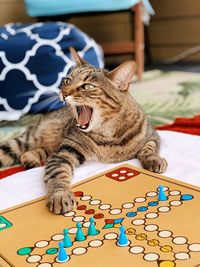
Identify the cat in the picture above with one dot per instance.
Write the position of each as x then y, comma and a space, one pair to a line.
101, 121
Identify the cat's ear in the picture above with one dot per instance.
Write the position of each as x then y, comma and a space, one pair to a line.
123, 75
79, 61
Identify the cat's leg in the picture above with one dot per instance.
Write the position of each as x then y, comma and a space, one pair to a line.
149, 155
34, 158
58, 173
11, 150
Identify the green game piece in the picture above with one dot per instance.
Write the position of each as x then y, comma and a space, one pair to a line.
91, 229
52, 251
79, 234
67, 241
24, 251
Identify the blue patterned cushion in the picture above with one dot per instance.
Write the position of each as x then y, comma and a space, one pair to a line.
34, 58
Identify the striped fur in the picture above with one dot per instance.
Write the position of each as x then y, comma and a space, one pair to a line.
117, 130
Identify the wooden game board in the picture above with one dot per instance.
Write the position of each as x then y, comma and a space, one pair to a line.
164, 234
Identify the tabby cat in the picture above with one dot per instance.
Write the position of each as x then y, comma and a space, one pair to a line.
101, 121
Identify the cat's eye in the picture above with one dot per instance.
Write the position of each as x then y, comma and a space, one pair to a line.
88, 86
66, 81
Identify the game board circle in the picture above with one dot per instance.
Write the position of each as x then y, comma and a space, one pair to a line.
57, 237
151, 257
141, 237
151, 227
167, 264
79, 251
166, 248
85, 198
96, 243
105, 207
139, 199
182, 256
114, 175
98, 216
24, 251
127, 205
151, 215
194, 247
56, 259
153, 242
153, 203
78, 193
44, 264
187, 197
165, 233
90, 211
82, 207
124, 245
52, 251
95, 202
110, 236
72, 230
130, 174
122, 178
151, 194
34, 258
41, 244
175, 203
136, 249
165, 188
174, 193
78, 219
138, 222
131, 214
86, 224
142, 209
115, 211
130, 231
2, 225
179, 240
123, 171
70, 214
164, 209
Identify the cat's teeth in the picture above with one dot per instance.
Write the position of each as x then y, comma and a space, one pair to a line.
78, 125
83, 126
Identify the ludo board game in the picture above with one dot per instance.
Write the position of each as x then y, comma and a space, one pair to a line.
160, 233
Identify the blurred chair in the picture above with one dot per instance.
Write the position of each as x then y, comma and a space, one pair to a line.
46, 10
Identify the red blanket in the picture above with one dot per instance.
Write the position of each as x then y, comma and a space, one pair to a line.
184, 125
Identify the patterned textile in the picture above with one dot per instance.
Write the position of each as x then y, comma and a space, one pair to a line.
34, 58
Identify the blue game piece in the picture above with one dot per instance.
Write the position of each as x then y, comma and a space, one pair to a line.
161, 194
79, 234
91, 229
67, 241
123, 240
62, 254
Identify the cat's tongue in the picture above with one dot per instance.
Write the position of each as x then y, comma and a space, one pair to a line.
84, 115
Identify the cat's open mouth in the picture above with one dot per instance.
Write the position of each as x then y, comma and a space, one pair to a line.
84, 115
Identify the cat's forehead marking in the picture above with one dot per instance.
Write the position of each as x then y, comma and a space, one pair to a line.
86, 72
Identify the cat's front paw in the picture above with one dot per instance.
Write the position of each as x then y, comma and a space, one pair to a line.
61, 202
155, 164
